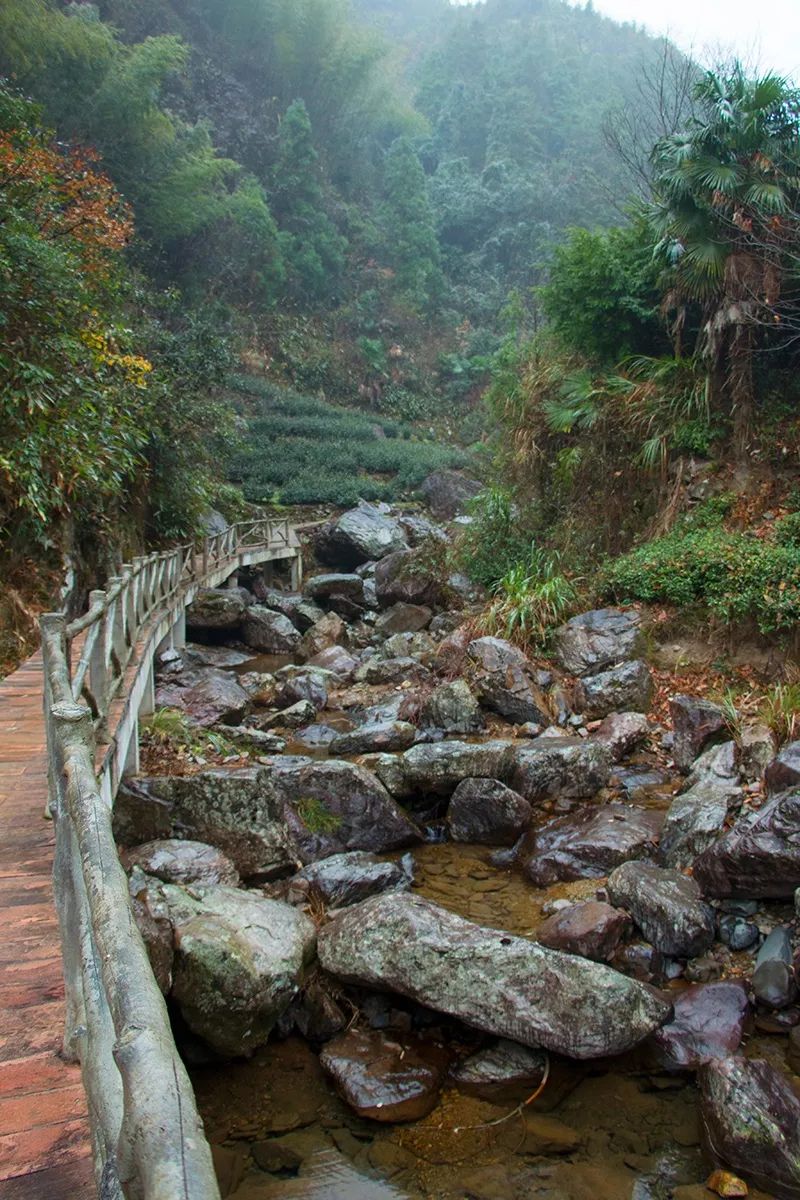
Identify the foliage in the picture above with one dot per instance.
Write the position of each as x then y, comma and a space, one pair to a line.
497, 541
328, 454
410, 242
531, 600
780, 711
602, 297
737, 576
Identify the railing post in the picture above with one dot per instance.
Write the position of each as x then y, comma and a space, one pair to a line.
98, 663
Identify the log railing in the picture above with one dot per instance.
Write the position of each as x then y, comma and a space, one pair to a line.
147, 1136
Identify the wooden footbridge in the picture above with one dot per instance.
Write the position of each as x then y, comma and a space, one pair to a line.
94, 1099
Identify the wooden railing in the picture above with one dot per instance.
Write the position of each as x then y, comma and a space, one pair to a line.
148, 1138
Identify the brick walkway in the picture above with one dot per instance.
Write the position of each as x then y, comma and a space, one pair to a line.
44, 1134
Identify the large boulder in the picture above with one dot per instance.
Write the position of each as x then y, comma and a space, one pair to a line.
784, 770
758, 857
408, 577
751, 1122
495, 982
560, 766
697, 723
298, 685
452, 708
589, 843
268, 631
592, 930
505, 681
326, 635
151, 915
174, 861
332, 806
350, 878
438, 768
238, 812
384, 1078
361, 535
597, 640
666, 905
403, 618
447, 493
708, 1022
626, 688
239, 962
323, 587
487, 812
215, 609
697, 816
207, 696
301, 612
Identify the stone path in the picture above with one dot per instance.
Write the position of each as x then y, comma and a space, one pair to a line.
45, 1146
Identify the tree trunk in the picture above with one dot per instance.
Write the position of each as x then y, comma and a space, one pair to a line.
740, 382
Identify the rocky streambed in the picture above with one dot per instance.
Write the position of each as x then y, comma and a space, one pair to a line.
449, 922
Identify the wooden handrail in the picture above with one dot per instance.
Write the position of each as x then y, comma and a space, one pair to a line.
147, 1135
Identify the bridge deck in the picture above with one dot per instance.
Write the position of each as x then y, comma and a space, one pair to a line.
45, 1150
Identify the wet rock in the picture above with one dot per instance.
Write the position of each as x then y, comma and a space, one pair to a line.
419, 529
495, 982
151, 915
696, 724
358, 536
505, 681
308, 685
784, 770
322, 587
759, 856
318, 1013
316, 737
447, 493
591, 930
221, 657
555, 766
327, 633
438, 769
626, 688
408, 577
375, 738
206, 696
589, 843
239, 812
504, 1073
336, 659
403, 618
184, 862
333, 806
350, 878
597, 640
409, 645
622, 733
451, 656
641, 961
384, 1078
294, 717
667, 907
217, 609
452, 708
751, 1123
269, 632
755, 751
738, 933
301, 612
774, 982
708, 1022
379, 670
696, 817
239, 960
487, 812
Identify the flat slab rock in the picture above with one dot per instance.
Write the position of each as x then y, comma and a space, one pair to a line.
346, 879
495, 982
667, 906
589, 843
501, 1073
751, 1122
174, 861
385, 1078
597, 640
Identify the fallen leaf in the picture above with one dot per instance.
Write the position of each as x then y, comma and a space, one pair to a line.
726, 1184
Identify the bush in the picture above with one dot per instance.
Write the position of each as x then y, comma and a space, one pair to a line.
497, 541
737, 576
531, 600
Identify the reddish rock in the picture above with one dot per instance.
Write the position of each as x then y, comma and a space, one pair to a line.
385, 1078
784, 770
487, 812
696, 723
590, 842
758, 857
708, 1022
592, 930
622, 732
504, 1073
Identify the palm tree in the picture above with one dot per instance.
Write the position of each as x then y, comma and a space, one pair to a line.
725, 209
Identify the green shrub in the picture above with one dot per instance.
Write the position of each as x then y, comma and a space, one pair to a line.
531, 600
737, 576
497, 541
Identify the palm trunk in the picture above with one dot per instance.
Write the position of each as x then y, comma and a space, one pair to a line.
740, 381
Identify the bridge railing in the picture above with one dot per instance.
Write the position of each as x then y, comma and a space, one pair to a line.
147, 1135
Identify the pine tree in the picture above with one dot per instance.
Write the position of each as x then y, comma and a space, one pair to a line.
314, 251
407, 218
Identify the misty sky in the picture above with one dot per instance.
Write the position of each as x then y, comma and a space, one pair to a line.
766, 35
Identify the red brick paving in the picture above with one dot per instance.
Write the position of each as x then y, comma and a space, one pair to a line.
45, 1150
